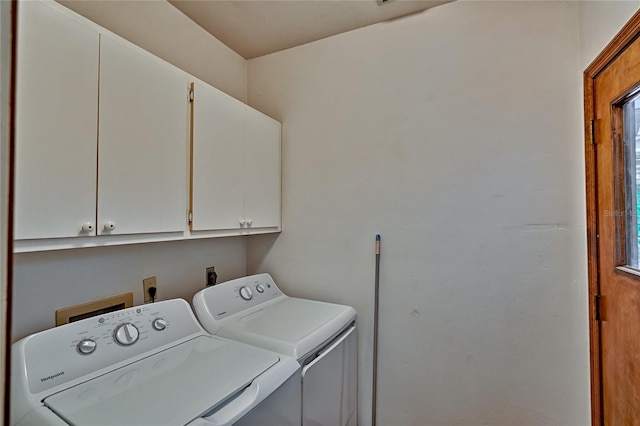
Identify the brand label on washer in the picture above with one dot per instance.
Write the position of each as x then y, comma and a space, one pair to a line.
51, 377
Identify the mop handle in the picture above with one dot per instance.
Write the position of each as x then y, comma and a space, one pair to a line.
375, 334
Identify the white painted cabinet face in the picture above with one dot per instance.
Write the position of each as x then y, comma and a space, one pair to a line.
262, 170
102, 130
218, 160
56, 122
236, 165
143, 128
99, 123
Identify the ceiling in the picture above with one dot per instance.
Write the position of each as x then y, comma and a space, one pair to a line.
255, 28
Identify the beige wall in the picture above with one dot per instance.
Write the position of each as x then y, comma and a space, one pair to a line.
456, 134
600, 21
45, 281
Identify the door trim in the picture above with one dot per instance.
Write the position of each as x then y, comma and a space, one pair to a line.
8, 17
625, 36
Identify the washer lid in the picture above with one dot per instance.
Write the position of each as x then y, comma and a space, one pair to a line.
171, 387
291, 326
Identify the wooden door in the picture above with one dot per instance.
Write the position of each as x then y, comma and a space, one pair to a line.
262, 170
612, 111
217, 191
56, 123
142, 142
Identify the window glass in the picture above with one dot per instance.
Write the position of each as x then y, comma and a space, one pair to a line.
631, 128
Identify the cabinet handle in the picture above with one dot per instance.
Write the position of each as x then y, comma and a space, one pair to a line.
243, 223
88, 227
249, 222
109, 226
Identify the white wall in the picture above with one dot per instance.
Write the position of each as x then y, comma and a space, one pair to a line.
457, 135
600, 21
45, 282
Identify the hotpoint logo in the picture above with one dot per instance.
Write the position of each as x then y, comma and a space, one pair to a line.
53, 376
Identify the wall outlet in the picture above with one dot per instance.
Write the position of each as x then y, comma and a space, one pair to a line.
146, 284
211, 276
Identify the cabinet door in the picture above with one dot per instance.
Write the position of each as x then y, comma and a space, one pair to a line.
263, 171
218, 160
56, 124
142, 142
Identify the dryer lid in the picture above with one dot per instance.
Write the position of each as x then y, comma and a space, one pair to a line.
171, 387
291, 326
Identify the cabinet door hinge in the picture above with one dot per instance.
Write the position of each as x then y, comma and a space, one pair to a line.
190, 95
189, 218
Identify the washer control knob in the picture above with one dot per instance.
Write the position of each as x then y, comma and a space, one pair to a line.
245, 293
260, 288
159, 324
126, 334
87, 346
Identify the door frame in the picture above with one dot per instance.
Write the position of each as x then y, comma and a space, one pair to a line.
8, 20
625, 36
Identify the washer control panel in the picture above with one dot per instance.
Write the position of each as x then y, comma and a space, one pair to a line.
233, 296
68, 352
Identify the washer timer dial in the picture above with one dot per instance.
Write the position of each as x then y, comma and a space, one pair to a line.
245, 293
126, 334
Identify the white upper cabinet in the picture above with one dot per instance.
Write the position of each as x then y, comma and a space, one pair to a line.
218, 160
262, 170
143, 131
236, 165
102, 144
56, 122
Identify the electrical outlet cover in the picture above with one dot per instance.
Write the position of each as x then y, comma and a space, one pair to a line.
210, 277
146, 283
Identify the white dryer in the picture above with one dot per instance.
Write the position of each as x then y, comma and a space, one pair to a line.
148, 365
321, 336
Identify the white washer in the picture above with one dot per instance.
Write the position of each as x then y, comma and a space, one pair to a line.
148, 365
321, 336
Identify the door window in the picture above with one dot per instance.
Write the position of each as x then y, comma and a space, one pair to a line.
631, 212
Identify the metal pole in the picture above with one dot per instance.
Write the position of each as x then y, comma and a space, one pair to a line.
375, 334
